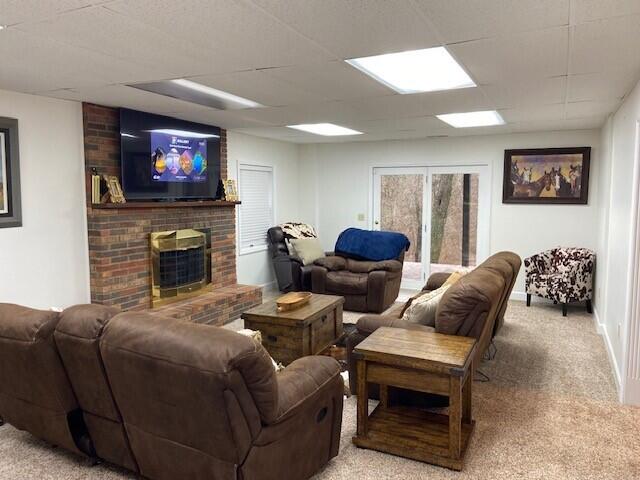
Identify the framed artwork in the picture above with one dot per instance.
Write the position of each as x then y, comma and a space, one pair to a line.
10, 208
230, 191
114, 190
546, 175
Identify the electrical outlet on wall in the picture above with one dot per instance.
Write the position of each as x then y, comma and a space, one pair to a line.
361, 217
619, 329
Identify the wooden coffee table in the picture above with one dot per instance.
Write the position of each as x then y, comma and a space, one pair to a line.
424, 362
308, 330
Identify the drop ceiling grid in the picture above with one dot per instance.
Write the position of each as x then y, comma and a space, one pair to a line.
527, 57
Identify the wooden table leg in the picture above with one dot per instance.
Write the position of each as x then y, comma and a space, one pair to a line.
455, 417
384, 396
467, 413
363, 398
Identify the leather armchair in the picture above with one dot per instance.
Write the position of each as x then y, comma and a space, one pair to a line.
291, 274
365, 285
563, 275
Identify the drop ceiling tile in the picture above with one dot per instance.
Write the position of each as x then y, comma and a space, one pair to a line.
589, 10
606, 45
260, 87
538, 91
591, 108
464, 20
421, 104
101, 30
598, 86
331, 112
40, 64
534, 113
355, 28
519, 57
329, 81
18, 11
231, 35
561, 124
389, 126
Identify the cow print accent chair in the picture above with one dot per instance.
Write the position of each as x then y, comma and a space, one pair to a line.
564, 275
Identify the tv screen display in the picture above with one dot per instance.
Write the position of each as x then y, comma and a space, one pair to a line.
167, 158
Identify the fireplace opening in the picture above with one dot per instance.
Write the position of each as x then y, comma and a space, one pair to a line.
179, 264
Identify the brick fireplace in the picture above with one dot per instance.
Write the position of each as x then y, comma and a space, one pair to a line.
119, 238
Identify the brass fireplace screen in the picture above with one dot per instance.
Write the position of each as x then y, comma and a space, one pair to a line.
178, 264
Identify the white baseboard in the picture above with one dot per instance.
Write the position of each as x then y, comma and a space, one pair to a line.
269, 287
602, 330
632, 392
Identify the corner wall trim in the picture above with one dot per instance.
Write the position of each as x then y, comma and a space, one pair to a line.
609, 348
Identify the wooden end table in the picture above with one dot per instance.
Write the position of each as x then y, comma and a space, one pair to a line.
308, 330
424, 362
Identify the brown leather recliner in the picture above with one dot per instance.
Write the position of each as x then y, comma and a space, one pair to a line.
204, 402
470, 307
78, 340
366, 286
35, 393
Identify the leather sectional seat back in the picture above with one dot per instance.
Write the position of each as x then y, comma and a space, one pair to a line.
35, 393
78, 337
204, 402
166, 398
191, 396
510, 272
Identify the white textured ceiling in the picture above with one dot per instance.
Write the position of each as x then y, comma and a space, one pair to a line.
544, 64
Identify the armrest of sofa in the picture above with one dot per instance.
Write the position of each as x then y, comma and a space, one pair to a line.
537, 263
386, 266
301, 380
436, 280
331, 263
287, 259
367, 324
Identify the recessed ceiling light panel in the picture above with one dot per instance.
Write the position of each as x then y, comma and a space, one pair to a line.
414, 71
326, 129
194, 92
485, 118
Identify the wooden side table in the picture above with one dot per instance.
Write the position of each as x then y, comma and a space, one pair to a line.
293, 334
424, 362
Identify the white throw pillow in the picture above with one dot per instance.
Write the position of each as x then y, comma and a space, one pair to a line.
423, 309
307, 249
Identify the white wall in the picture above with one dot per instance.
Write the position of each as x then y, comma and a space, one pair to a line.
255, 268
620, 150
45, 262
341, 190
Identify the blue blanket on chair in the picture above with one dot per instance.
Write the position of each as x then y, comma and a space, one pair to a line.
371, 245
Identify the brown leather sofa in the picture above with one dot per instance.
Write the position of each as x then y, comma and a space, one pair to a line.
470, 307
35, 393
164, 397
365, 285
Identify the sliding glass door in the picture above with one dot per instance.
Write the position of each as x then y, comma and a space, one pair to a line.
443, 211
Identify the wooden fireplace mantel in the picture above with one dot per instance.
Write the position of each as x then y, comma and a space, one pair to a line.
182, 204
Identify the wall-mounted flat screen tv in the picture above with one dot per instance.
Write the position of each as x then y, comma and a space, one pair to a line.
164, 158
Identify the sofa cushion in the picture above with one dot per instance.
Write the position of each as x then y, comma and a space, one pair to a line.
423, 308
347, 283
307, 249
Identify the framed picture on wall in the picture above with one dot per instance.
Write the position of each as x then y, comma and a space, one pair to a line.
546, 175
10, 212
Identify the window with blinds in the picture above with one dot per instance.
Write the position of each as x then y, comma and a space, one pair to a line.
256, 210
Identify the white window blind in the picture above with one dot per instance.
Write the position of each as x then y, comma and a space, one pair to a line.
256, 209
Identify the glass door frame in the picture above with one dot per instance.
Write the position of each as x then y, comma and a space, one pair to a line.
377, 172
484, 207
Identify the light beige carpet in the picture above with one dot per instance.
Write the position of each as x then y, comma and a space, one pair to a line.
550, 412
